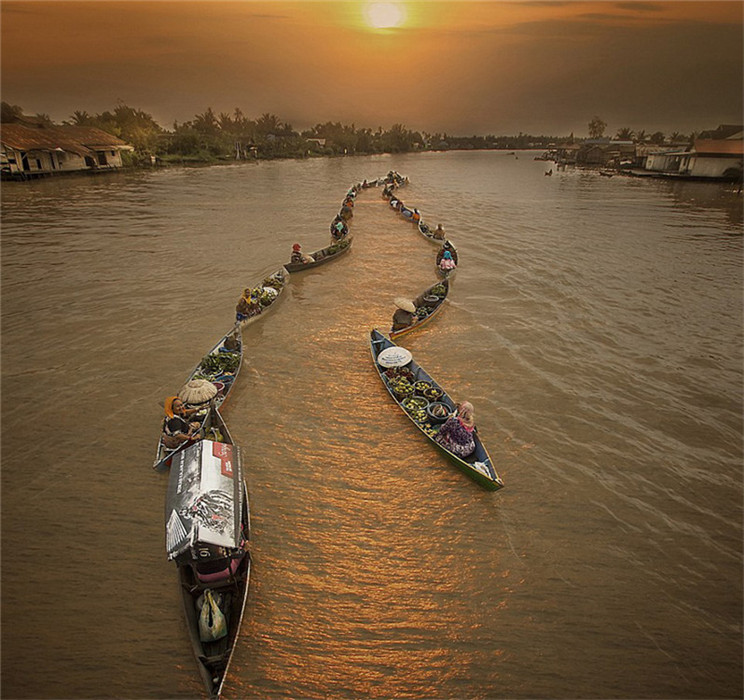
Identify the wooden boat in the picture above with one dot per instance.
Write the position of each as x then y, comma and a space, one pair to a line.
426, 307
447, 245
477, 466
428, 233
263, 298
207, 523
221, 366
322, 256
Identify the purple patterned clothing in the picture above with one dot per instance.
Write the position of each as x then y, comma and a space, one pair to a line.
456, 437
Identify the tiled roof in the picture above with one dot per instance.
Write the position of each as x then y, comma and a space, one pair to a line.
82, 140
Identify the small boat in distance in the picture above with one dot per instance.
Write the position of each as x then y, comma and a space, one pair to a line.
402, 381
207, 527
322, 256
428, 233
256, 301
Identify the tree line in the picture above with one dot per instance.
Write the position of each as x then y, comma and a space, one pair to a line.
210, 137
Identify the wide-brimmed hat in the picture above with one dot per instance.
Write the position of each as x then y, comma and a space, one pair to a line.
405, 304
197, 391
296, 246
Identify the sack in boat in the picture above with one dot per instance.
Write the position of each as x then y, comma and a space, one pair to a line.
171, 441
212, 623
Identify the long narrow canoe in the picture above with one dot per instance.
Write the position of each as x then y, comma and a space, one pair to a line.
426, 309
428, 233
477, 466
264, 297
207, 518
220, 366
322, 256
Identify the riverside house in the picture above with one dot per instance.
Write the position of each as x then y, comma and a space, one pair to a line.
28, 151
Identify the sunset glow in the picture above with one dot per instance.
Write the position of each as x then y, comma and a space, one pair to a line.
469, 67
384, 15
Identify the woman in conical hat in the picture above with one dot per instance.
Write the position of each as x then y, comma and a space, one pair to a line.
404, 315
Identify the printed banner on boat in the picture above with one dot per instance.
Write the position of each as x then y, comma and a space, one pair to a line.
204, 498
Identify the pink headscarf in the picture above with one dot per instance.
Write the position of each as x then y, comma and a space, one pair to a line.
466, 414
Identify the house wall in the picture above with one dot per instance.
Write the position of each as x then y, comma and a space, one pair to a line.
42, 162
708, 166
662, 162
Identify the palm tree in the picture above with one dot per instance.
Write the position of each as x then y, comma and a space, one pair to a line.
79, 118
624, 134
640, 136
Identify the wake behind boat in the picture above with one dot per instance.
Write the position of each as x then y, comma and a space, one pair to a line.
404, 379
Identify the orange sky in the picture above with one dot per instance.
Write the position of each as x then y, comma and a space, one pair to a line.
460, 67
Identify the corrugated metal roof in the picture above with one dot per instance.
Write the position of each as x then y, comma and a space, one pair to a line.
83, 140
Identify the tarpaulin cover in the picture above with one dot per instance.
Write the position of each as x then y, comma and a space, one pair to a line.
204, 501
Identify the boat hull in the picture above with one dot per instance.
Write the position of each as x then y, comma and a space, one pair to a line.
325, 258
478, 466
416, 325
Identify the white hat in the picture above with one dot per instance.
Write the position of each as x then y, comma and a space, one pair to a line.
197, 391
405, 304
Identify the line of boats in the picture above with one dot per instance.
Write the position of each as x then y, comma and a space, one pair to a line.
207, 510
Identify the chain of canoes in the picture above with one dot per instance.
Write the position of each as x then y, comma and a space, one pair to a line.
207, 510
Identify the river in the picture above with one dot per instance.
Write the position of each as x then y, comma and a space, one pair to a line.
596, 325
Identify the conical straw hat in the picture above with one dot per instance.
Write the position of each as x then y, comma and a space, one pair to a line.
197, 391
405, 304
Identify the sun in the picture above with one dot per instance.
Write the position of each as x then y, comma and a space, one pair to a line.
384, 15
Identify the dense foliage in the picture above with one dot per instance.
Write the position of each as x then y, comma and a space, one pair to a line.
211, 137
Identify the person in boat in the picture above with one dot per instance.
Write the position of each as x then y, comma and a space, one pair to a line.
447, 247
447, 263
298, 256
456, 433
416, 216
339, 228
404, 315
438, 232
247, 306
177, 428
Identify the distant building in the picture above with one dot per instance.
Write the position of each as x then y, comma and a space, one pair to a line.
604, 152
663, 160
714, 158
35, 151
319, 142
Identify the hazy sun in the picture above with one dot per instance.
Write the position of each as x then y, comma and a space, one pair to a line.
384, 15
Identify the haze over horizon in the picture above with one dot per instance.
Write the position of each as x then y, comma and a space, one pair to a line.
458, 67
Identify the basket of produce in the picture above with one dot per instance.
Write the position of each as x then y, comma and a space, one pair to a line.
414, 403
431, 299
421, 386
401, 387
394, 372
438, 411
433, 393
